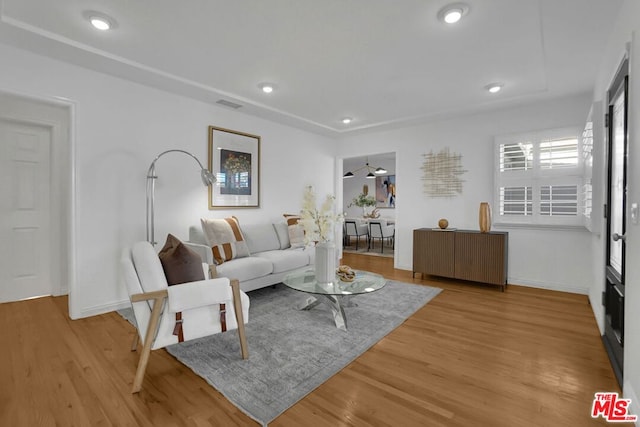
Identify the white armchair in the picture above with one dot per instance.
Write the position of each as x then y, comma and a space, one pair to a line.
379, 229
204, 307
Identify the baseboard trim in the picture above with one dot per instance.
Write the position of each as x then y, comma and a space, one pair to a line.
598, 311
550, 286
61, 291
104, 308
515, 281
629, 393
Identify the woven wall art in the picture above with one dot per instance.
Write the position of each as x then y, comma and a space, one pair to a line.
442, 173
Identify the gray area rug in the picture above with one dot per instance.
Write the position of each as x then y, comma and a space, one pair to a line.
292, 352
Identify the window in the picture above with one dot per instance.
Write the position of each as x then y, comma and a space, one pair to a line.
539, 178
516, 157
516, 201
559, 200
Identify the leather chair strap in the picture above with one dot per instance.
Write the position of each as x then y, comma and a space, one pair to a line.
177, 329
223, 317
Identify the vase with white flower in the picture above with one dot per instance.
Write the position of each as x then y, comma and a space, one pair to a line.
319, 227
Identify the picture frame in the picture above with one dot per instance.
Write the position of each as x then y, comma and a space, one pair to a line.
234, 158
386, 191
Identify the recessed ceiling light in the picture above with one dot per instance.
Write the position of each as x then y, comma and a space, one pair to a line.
452, 16
99, 20
453, 12
494, 87
100, 24
267, 87
347, 120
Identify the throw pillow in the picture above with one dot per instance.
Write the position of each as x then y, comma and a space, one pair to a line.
282, 230
180, 263
225, 238
296, 232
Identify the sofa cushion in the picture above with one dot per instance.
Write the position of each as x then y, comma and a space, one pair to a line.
245, 269
282, 230
225, 238
285, 260
260, 237
296, 232
180, 264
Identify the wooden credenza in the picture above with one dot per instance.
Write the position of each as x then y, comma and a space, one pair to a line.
462, 254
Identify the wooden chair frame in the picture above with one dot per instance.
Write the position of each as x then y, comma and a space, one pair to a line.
159, 298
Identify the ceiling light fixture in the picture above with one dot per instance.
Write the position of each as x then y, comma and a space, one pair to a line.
99, 20
100, 24
453, 12
347, 120
267, 87
372, 172
452, 16
494, 87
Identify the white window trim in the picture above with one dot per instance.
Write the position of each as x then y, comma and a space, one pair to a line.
537, 177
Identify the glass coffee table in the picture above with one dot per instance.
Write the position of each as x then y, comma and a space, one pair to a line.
335, 294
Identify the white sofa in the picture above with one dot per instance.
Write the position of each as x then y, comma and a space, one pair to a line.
271, 255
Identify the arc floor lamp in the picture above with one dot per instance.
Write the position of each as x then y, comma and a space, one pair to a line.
208, 178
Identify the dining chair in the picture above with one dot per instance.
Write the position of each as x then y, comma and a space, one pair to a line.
379, 229
355, 227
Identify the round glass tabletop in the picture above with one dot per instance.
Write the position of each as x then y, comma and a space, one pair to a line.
305, 281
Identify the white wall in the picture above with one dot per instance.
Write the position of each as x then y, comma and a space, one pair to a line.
552, 259
119, 129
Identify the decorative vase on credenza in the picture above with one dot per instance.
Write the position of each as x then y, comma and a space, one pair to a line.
484, 217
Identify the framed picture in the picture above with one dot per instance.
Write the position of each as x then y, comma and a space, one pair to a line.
386, 191
234, 158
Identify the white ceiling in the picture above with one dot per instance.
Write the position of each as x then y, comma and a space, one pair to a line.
384, 63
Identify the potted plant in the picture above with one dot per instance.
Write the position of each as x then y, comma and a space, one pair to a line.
363, 201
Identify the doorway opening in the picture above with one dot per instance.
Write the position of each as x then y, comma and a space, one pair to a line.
369, 196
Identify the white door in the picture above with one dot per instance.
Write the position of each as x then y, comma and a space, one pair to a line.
25, 205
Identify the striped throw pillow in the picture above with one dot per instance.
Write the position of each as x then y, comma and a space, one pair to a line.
225, 238
296, 232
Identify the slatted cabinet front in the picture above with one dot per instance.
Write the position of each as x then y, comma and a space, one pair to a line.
462, 254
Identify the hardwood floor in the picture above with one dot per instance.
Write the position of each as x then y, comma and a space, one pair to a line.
473, 356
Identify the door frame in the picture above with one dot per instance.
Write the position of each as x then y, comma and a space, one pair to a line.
339, 189
63, 182
619, 82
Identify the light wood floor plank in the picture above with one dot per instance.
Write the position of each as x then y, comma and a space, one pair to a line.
472, 356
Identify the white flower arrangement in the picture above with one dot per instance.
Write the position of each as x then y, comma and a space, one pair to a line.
318, 224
